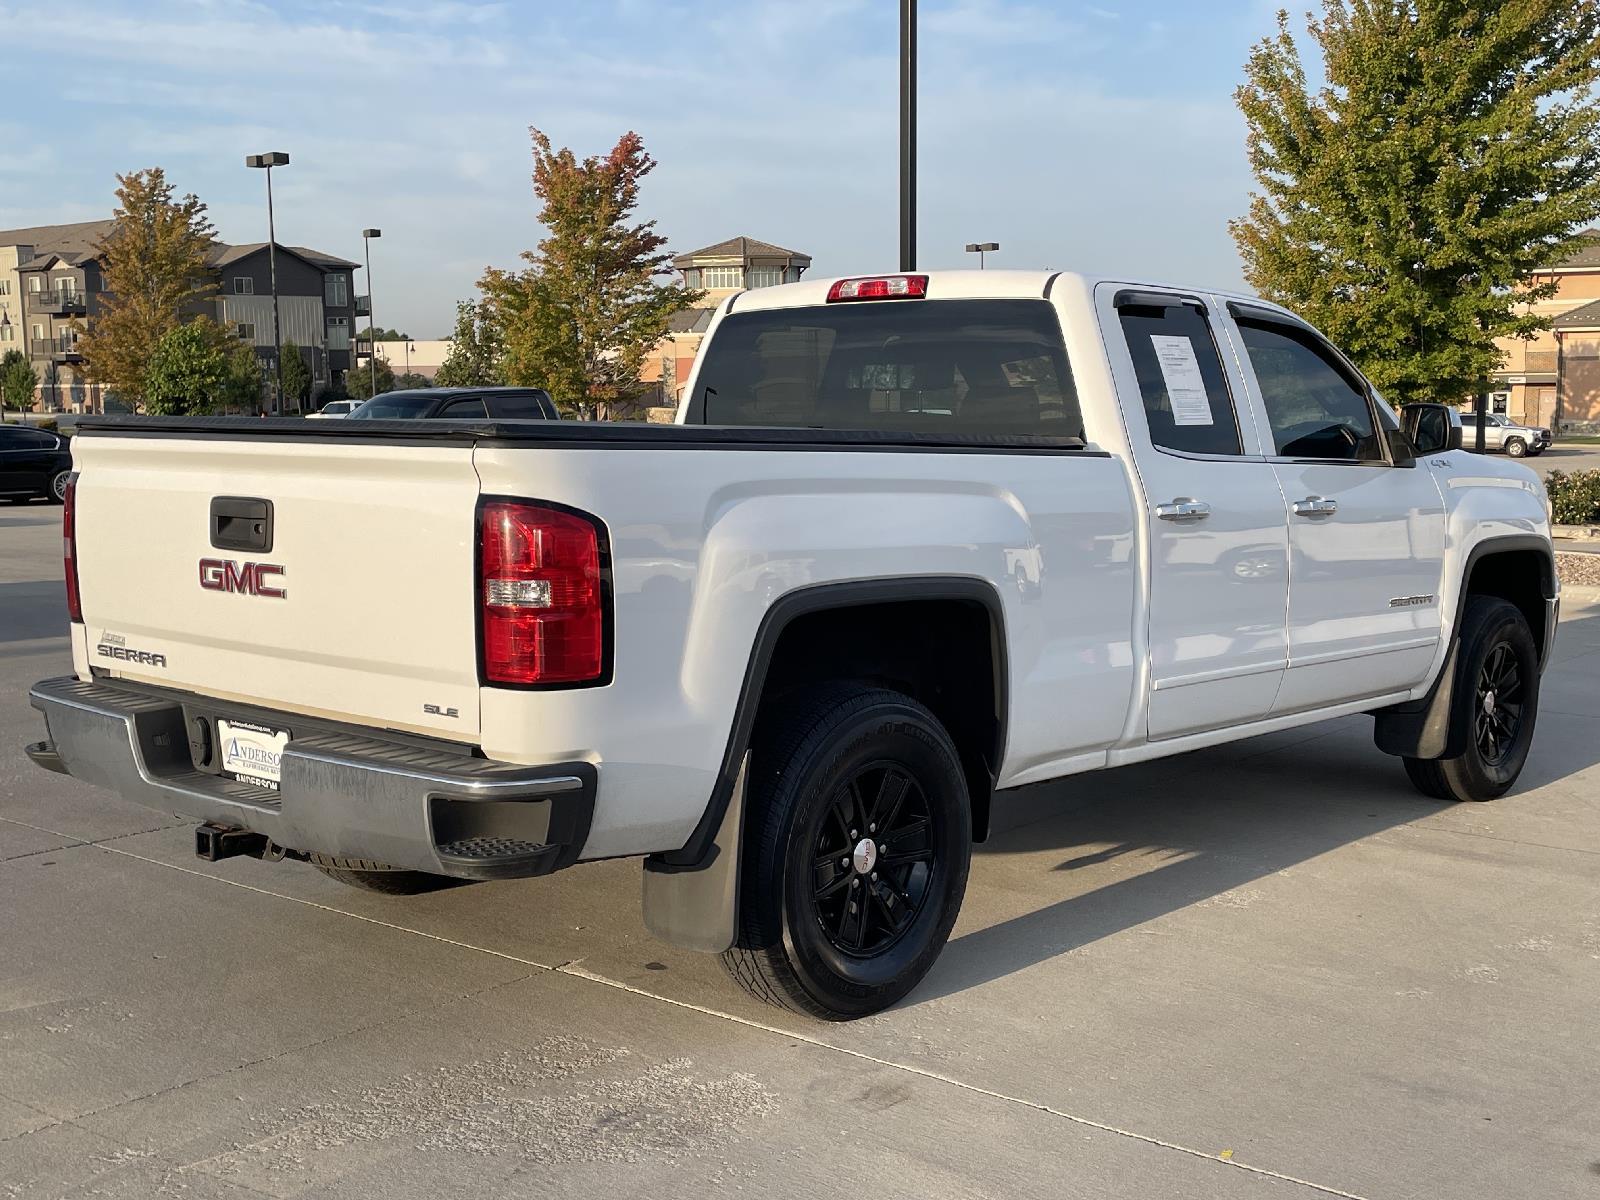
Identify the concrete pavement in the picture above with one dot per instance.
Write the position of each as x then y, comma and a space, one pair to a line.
1265, 970
1568, 458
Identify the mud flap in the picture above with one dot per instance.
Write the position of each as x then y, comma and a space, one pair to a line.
1422, 728
697, 907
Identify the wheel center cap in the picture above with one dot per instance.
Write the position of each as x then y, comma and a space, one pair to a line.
1488, 702
865, 856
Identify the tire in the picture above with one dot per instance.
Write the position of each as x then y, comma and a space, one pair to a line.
849, 754
1493, 709
58, 487
376, 877
1516, 447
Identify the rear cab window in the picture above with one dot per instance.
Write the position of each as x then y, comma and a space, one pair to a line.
958, 367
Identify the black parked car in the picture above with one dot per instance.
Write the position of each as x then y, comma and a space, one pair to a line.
495, 403
33, 463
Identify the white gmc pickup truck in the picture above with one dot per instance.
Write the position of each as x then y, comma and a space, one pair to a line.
916, 541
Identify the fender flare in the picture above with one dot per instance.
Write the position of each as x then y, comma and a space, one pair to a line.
691, 894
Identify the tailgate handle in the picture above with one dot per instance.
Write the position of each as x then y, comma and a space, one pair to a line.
241, 523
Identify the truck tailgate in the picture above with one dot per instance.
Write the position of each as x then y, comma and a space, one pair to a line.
362, 609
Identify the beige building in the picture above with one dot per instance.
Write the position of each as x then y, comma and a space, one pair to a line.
420, 356
1554, 379
721, 270
50, 284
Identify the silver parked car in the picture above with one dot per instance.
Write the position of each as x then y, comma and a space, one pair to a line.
1500, 432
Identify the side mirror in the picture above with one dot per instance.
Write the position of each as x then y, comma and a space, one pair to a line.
1432, 428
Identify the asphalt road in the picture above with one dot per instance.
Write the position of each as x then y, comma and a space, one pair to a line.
1268, 970
1563, 458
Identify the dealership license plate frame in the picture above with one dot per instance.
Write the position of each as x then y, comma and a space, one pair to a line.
250, 752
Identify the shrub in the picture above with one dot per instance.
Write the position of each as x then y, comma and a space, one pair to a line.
1574, 498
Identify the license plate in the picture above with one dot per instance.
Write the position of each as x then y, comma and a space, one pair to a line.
252, 753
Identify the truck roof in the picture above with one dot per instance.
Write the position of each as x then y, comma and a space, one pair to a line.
964, 284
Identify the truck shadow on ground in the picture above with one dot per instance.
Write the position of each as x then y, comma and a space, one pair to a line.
1184, 830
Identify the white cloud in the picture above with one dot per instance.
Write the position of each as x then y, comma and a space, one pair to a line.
773, 118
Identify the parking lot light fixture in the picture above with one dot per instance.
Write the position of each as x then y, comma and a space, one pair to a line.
372, 341
980, 249
274, 158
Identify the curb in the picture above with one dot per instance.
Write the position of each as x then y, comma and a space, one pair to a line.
1578, 533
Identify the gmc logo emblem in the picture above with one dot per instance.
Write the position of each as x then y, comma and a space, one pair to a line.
253, 579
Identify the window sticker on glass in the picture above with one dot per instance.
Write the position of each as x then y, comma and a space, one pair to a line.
1180, 371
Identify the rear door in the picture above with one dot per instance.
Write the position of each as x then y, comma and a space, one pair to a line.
1366, 525
1219, 550
353, 600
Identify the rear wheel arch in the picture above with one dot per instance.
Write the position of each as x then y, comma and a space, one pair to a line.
926, 636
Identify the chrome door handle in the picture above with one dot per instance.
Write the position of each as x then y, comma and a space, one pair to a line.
1184, 508
1315, 506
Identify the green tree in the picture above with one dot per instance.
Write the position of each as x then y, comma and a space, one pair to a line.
154, 263
580, 318
410, 379
1453, 147
389, 335
476, 349
358, 381
296, 377
188, 370
18, 380
242, 388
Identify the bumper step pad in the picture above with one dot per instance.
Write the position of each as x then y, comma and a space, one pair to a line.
496, 857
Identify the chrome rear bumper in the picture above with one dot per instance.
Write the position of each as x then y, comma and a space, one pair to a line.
343, 791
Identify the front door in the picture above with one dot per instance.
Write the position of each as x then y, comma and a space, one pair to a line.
1366, 526
1219, 550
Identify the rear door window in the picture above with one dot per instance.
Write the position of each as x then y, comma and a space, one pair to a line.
517, 406
470, 408
967, 367
1185, 392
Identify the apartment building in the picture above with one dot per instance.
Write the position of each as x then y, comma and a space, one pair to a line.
719, 270
51, 282
1554, 379
317, 306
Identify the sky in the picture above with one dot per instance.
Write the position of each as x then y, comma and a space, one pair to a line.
1088, 136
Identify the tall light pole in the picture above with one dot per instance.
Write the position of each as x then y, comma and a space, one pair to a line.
980, 249
908, 135
275, 158
372, 342
410, 346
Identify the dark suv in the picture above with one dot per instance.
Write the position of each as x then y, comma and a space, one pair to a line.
494, 403
33, 462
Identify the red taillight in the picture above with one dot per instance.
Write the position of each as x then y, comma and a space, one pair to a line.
69, 548
880, 287
540, 595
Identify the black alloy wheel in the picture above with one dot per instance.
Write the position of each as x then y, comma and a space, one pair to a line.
857, 842
1499, 704
1493, 707
874, 860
